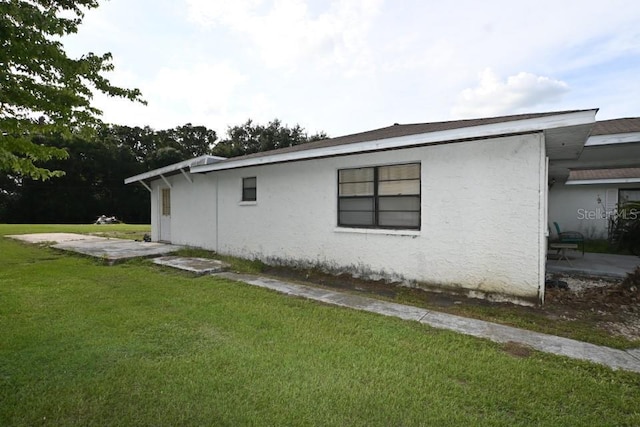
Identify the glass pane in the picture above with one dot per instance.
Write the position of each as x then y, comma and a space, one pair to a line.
629, 196
249, 182
393, 188
359, 204
408, 203
166, 202
396, 172
249, 194
356, 218
399, 219
356, 175
357, 189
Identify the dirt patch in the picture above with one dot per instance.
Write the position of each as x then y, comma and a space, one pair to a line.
611, 305
516, 349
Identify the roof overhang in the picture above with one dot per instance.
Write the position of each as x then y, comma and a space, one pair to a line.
618, 138
565, 135
604, 176
598, 157
174, 168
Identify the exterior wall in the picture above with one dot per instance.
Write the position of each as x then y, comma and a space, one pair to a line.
193, 210
482, 218
576, 208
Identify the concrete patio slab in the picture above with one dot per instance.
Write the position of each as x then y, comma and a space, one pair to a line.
596, 265
107, 249
115, 250
52, 237
616, 359
194, 265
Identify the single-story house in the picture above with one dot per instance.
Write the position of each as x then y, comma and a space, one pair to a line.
459, 206
585, 192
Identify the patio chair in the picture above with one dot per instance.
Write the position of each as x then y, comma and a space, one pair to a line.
570, 237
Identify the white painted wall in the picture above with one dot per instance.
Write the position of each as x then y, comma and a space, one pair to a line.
193, 210
483, 213
576, 208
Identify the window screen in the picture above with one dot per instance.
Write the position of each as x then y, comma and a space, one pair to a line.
380, 197
166, 202
249, 189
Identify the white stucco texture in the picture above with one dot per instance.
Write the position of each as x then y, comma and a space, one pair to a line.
481, 226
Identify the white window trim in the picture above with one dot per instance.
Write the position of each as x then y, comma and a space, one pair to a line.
383, 231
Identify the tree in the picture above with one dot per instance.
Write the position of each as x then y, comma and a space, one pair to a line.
156, 149
42, 90
251, 138
95, 170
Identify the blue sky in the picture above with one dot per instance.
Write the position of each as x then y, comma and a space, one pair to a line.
345, 66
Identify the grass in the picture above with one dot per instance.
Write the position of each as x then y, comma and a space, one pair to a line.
602, 246
134, 344
120, 231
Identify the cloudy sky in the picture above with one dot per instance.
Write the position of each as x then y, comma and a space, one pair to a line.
345, 66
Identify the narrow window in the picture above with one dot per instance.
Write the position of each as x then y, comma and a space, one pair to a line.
380, 197
249, 189
166, 202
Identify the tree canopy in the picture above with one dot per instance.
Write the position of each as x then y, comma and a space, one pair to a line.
43, 92
250, 138
95, 171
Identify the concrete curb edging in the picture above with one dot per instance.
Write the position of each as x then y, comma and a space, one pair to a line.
616, 359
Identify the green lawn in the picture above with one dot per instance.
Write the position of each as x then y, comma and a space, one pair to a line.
133, 344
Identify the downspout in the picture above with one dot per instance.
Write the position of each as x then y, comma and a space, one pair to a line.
217, 213
543, 218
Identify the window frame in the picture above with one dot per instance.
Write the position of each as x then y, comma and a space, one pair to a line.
245, 197
376, 198
165, 201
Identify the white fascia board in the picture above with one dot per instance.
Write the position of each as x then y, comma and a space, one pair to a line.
603, 181
482, 131
618, 138
173, 168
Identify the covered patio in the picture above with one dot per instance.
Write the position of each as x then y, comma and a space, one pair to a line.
593, 264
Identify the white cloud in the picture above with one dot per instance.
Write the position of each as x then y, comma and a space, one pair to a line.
201, 89
200, 94
493, 96
284, 31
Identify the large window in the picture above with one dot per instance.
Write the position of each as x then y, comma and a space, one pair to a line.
629, 195
380, 197
249, 189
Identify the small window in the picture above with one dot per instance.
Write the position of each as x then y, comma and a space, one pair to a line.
249, 189
166, 202
380, 197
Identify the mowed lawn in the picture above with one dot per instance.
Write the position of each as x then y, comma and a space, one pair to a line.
86, 344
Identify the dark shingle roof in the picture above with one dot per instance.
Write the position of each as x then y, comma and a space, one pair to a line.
398, 130
610, 127
589, 174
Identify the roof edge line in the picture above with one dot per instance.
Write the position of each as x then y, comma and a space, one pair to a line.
173, 167
487, 130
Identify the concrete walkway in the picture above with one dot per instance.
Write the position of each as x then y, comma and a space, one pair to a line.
617, 359
594, 265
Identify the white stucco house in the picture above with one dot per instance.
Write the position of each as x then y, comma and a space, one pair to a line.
460, 206
585, 191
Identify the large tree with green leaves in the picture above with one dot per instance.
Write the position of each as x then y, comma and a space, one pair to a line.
251, 138
42, 90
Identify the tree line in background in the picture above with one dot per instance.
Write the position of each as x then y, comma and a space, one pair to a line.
58, 162
98, 163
